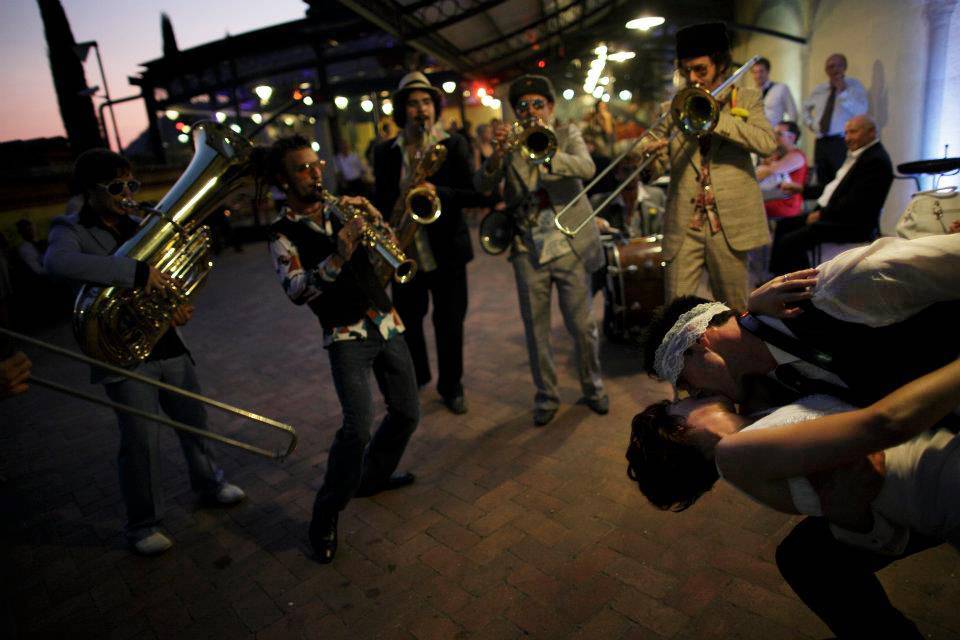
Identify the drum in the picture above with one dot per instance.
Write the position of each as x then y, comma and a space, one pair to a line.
634, 286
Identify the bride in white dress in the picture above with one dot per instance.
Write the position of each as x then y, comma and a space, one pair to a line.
677, 452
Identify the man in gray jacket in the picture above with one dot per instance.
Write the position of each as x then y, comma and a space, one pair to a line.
81, 248
541, 255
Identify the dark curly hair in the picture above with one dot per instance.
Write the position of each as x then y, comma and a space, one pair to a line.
670, 473
270, 161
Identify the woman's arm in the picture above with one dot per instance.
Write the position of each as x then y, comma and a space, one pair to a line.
787, 164
815, 445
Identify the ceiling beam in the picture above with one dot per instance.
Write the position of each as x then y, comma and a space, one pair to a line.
463, 15
374, 11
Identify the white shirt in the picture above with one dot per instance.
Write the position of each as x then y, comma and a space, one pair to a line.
844, 169
890, 279
850, 102
778, 104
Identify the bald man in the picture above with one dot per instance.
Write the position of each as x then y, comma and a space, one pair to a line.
827, 111
848, 209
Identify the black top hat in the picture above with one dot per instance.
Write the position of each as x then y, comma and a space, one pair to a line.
702, 40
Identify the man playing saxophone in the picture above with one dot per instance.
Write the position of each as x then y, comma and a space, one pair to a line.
442, 248
322, 263
80, 250
542, 257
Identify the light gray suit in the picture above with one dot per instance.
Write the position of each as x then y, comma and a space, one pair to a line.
738, 200
563, 180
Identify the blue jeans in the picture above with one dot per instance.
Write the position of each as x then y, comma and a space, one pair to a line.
355, 458
138, 460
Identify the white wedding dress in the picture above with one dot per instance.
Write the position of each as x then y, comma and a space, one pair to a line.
921, 488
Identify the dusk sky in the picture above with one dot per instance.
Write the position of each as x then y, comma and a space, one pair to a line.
128, 33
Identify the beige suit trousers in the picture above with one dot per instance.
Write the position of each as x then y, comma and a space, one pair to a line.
726, 268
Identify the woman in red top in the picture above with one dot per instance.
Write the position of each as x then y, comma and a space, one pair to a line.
789, 160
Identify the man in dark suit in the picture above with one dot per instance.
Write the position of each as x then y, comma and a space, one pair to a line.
442, 249
848, 209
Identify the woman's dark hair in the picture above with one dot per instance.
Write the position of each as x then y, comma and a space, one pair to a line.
792, 128
671, 474
96, 166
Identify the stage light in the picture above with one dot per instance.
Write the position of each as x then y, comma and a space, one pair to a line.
481, 92
341, 102
367, 105
568, 94
495, 103
235, 127
263, 92
449, 86
184, 138
541, 64
645, 23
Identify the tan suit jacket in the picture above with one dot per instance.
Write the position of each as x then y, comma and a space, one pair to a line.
570, 166
738, 198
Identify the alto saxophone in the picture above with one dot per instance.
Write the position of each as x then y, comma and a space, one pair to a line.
374, 235
121, 326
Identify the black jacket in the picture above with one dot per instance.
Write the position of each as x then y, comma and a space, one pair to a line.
853, 212
449, 237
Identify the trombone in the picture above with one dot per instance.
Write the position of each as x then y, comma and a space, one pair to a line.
277, 454
695, 112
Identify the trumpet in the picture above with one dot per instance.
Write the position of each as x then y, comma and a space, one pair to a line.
533, 138
694, 111
374, 235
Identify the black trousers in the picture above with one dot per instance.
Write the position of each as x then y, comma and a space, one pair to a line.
448, 288
828, 155
839, 584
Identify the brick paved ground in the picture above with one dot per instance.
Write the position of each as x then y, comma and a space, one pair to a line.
510, 531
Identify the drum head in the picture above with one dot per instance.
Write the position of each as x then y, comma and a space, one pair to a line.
496, 232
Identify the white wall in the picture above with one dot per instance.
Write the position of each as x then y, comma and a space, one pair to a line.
885, 42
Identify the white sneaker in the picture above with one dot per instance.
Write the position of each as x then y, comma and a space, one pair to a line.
153, 545
229, 494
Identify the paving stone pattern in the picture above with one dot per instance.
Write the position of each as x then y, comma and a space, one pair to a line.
509, 532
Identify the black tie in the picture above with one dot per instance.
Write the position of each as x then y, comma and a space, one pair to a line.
828, 112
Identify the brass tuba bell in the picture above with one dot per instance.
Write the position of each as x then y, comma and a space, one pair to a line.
122, 326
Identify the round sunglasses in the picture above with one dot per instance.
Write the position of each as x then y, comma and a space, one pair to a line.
115, 188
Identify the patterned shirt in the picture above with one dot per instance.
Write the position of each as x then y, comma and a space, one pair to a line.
303, 286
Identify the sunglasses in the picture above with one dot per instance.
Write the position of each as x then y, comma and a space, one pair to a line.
115, 188
306, 167
698, 69
525, 105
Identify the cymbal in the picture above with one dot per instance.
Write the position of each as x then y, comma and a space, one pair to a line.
936, 165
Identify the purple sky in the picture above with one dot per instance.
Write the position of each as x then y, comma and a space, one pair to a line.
128, 33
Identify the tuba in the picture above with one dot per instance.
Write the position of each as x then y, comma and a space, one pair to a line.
121, 326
